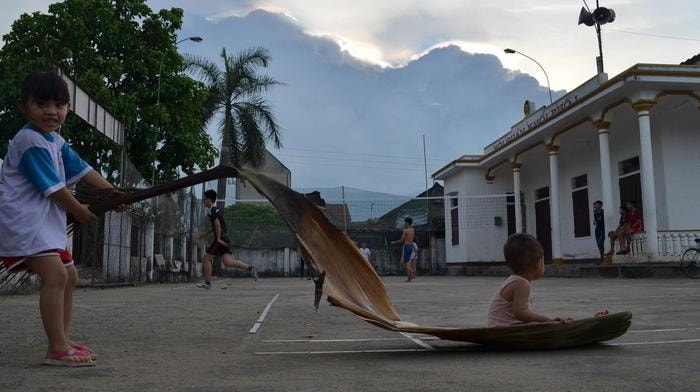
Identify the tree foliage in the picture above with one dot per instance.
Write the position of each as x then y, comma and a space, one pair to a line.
254, 214
113, 49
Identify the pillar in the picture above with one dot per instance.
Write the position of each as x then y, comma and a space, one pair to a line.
609, 207
518, 202
553, 150
647, 168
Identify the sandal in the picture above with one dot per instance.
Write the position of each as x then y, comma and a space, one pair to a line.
85, 349
63, 359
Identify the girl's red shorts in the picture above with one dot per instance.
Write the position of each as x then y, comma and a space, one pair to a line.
18, 263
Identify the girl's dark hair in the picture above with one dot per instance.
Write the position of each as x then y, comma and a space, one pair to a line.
44, 86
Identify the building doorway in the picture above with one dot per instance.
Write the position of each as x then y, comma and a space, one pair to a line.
630, 182
543, 223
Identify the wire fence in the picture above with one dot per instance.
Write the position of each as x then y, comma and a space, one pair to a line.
255, 226
122, 248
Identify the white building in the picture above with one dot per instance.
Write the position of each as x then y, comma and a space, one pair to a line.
633, 137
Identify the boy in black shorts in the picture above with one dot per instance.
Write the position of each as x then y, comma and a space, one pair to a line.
220, 245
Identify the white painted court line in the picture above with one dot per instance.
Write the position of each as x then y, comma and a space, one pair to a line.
401, 350
645, 297
257, 324
654, 342
664, 330
328, 340
447, 349
341, 340
418, 341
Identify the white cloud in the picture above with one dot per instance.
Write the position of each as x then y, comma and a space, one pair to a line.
391, 33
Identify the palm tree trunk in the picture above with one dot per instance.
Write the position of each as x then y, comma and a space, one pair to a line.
224, 160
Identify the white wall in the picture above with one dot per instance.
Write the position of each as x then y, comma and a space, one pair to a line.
534, 174
480, 239
679, 129
579, 155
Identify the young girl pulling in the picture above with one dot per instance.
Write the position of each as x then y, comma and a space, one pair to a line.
34, 199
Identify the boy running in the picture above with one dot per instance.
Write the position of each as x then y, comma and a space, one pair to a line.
220, 245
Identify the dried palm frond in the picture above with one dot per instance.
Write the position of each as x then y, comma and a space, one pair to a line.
103, 200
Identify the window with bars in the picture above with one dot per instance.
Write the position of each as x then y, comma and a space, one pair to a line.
454, 218
510, 210
628, 166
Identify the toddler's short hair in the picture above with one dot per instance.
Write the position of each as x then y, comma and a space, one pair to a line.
44, 86
522, 251
210, 194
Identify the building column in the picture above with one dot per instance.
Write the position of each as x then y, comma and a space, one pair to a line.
553, 150
516, 194
609, 209
647, 168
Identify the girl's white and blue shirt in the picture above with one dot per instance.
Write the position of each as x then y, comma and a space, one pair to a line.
36, 165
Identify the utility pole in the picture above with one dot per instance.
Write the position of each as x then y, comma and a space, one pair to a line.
345, 219
427, 205
193, 253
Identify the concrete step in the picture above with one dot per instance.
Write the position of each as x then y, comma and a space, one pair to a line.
582, 270
634, 270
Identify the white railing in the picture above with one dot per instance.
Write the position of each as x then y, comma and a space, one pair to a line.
671, 243
638, 244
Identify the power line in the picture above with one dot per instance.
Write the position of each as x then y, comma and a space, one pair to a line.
353, 153
654, 35
395, 161
405, 169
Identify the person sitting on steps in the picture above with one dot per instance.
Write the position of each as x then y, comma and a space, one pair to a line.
619, 233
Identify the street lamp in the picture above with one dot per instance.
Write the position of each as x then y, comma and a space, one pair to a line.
511, 51
162, 56
160, 71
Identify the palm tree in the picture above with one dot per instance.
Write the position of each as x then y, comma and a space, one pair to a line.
235, 92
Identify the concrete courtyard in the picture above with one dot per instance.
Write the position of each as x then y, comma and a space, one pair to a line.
180, 338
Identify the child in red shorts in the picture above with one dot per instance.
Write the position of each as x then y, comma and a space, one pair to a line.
34, 199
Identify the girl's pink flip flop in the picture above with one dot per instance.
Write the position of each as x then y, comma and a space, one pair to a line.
61, 359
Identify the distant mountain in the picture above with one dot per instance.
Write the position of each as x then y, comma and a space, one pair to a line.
362, 204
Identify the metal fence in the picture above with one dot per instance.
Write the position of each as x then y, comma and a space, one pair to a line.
120, 248
257, 231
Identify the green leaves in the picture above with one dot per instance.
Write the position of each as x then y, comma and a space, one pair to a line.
235, 92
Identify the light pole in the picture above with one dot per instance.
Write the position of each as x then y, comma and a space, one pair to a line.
511, 51
160, 71
162, 56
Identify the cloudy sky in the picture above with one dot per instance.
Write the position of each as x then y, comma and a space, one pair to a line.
365, 80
